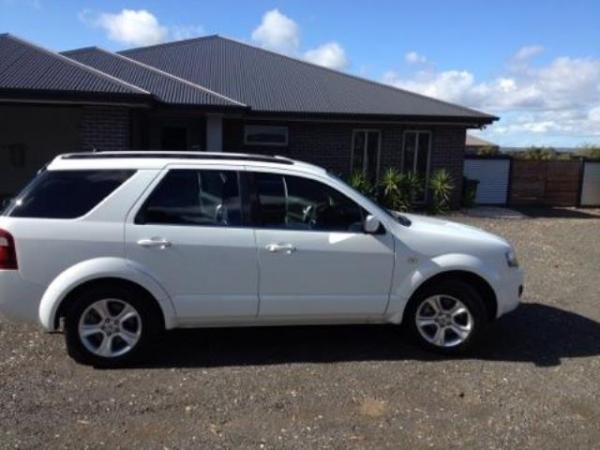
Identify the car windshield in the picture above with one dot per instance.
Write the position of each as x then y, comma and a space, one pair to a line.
396, 216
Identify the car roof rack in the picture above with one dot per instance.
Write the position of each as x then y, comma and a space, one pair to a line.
178, 155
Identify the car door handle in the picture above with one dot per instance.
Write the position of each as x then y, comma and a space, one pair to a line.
276, 248
154, 242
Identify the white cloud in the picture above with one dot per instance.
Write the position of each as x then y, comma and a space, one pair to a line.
277, 32
280, 33
594, 115
330, 55
528, 52
556, 102
414, 58
179, 32
137, 27
132, 27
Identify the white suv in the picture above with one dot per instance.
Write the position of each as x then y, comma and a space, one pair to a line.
116, 246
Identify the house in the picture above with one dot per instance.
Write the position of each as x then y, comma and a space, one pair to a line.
217, 94
475, 146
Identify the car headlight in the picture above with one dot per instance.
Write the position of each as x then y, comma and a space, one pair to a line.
511, 259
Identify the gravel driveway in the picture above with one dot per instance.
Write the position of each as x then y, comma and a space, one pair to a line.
534, 382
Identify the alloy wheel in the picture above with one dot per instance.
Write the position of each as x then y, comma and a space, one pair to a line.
444, 321
110, 328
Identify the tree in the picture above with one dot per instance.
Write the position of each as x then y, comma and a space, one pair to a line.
488, 150
589, 151
537, 153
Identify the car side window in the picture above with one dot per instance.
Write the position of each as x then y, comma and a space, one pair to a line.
194, 197
296, 203
66, 194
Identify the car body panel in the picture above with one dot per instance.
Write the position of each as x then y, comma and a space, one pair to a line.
328, 274
98, 269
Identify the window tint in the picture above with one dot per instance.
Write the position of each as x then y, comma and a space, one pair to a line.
194, 197
66, 194
302, 204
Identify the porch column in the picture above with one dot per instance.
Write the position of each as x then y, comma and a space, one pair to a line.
214, 132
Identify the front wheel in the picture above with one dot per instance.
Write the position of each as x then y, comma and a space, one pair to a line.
108, 327
446, 318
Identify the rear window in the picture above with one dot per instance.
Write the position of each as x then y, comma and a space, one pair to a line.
66, 194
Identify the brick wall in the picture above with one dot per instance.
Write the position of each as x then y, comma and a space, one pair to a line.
329, 145
105, 128
448, 151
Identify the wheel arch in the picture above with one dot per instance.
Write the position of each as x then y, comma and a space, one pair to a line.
65, 287
72, 295
479, 283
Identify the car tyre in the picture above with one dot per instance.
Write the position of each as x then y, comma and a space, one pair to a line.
446, 317
110, 326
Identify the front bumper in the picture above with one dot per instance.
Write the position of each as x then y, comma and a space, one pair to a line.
509, 290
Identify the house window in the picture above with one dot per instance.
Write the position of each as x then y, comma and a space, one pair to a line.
366, 149
265, 135
416, 153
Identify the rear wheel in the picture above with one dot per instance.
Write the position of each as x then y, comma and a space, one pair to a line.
447, 317
109, 326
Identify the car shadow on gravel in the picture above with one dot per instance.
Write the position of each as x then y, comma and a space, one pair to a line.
535, 333
540, 212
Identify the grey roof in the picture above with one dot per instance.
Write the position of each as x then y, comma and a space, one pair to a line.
270, 82
165, 87
474, 141
213, 72
27, 68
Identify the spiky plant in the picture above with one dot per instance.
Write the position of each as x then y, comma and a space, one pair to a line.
441, 185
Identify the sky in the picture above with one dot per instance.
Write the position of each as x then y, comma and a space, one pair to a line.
535, 64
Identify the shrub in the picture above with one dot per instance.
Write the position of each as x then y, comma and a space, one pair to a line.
441, 185
469, 192
359, 181
389, 189
488, 150
398, 191
537, 153
589, 151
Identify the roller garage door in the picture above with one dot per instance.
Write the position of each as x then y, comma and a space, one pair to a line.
493, 176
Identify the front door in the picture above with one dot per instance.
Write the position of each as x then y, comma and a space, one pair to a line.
315, 260
188, 234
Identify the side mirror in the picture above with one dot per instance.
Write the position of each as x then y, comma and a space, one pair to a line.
371, 224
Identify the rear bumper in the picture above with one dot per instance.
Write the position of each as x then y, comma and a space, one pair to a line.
509, 290
19, 299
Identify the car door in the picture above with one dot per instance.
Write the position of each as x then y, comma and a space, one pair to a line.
189, 233
315, 260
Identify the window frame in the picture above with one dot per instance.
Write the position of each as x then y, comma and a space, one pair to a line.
152, 187
255, 207
418, 132
267, 144
363, 170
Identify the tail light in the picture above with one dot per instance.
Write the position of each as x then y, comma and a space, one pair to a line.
8, 254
